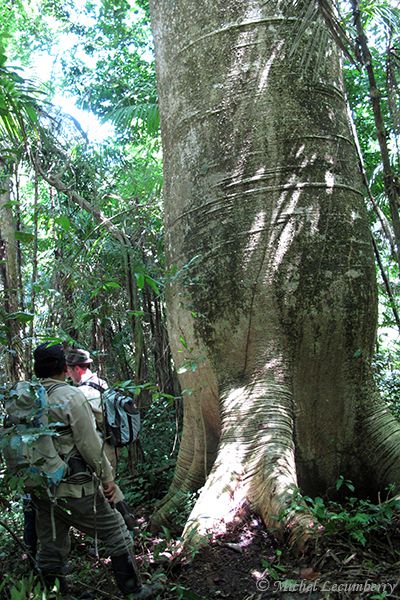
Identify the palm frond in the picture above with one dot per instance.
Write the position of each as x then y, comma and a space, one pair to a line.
311, 14
339, 34
19, 108
384, 13
144, 116
307, 20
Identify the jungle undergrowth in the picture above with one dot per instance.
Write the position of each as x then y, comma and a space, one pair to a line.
354, 518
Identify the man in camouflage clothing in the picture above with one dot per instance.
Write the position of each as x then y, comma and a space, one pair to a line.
85, 496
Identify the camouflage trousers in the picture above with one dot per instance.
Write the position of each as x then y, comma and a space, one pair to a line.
90, 514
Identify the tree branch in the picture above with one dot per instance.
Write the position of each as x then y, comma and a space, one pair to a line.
60, 186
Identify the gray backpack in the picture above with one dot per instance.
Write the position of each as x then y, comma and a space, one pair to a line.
121, 416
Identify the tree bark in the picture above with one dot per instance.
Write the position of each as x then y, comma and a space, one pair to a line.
34, 276
272, 310
10, 280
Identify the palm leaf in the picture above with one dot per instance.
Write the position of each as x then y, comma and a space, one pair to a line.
309, 46
19, 103
144, 116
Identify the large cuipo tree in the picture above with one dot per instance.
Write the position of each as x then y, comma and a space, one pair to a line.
274, 294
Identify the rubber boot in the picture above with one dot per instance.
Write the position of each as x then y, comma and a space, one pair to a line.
123, 509
128, 578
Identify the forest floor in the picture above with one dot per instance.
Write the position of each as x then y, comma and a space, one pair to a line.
247, 563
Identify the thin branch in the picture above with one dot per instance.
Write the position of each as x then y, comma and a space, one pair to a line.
58, 184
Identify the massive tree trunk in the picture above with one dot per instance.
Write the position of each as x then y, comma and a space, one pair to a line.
274, 297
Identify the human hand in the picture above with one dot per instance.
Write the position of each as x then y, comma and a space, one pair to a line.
110, 491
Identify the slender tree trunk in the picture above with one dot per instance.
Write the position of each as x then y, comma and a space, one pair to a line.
34, 277
136, 324
19, 228
392, 87
165, 377
273, 309
384, 224
125, 369
98, 336
390, 180
9, 272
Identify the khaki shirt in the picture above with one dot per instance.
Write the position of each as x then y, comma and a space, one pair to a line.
93, 395
69, 407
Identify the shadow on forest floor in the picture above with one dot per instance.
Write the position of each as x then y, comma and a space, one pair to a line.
245, 564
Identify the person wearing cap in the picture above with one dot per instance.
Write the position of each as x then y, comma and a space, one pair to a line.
84, 497
78, 369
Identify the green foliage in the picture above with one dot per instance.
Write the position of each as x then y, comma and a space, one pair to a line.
355, 519
387, 375
113, 52
381, 23
75, 290
19, 110
27, 588
158, 441
275, 570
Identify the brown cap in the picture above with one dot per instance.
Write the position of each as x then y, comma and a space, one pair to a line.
77, 356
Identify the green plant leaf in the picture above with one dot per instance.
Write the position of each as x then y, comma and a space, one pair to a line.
135, 313
111, 285
22, 317
152, 283
24, 236
63, 222
140, 279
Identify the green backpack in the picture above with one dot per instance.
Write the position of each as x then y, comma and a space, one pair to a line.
26, 439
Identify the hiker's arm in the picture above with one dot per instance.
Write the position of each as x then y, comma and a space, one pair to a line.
86, 438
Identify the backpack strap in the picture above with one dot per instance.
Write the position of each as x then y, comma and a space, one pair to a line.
53, 387
60, 429
93, 385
